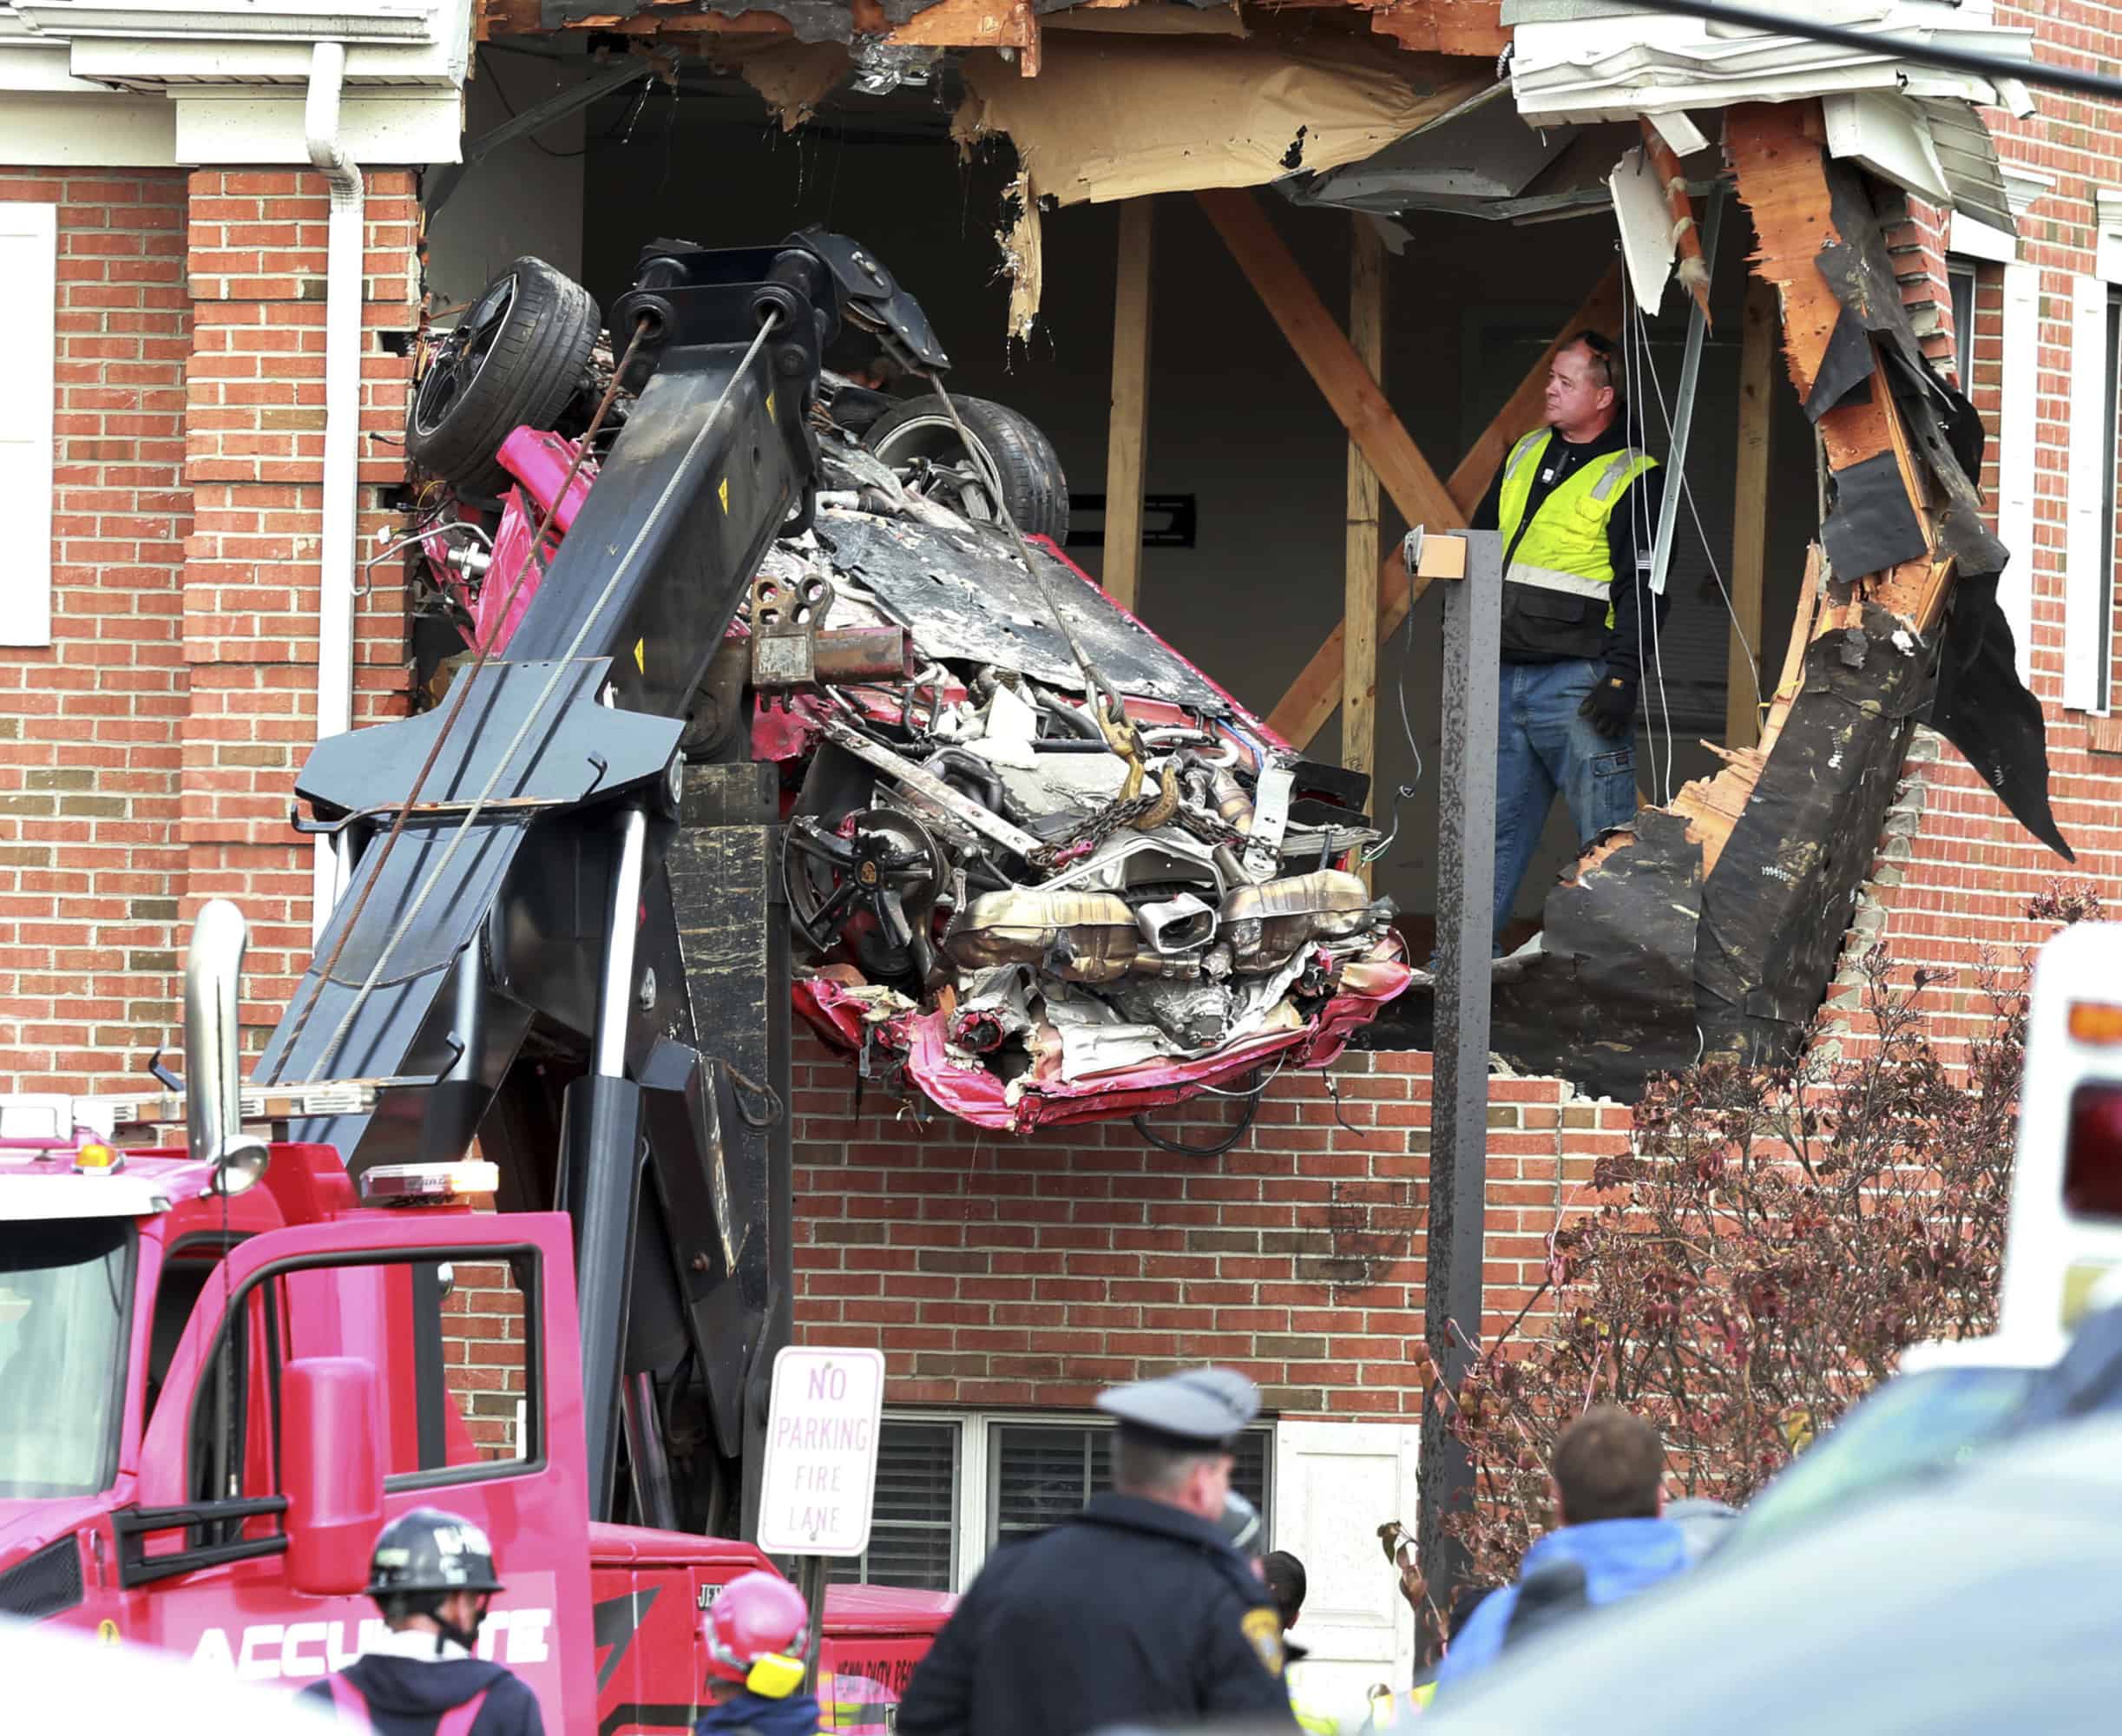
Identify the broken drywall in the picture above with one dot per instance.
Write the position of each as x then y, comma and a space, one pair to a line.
1120, 115
1114, 117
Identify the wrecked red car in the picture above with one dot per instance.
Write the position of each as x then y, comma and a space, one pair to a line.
1036, 863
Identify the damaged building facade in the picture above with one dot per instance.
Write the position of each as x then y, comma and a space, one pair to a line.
1276, 282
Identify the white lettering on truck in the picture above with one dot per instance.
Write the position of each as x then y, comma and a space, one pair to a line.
271, 1651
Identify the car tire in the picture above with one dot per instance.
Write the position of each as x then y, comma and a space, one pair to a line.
1034, 488
517, 360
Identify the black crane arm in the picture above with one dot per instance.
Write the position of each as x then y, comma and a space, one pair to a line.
507, 954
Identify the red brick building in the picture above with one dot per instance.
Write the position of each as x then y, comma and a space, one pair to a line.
164, 610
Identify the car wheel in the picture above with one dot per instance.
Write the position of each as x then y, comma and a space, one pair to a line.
1033, 486
515, 359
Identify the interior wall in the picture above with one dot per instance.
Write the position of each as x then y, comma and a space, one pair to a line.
1233, 419
525, 197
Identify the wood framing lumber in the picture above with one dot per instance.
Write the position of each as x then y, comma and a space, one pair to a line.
1128, 428
1453, 27
1324, 348
1359, 655
1750, 516
1304, 709
1693, 270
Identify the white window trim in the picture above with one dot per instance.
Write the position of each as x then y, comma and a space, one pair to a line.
1971, 238
2086, 684
975, 1427
31, 231
2018, 433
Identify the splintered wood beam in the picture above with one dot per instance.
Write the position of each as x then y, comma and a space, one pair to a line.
1693, 269
1302, 711
1359, 656
1127, 434
1777, 155
1348, 386
1452, 27
1750, 516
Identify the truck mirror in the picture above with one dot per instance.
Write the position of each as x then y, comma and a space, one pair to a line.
333, 1477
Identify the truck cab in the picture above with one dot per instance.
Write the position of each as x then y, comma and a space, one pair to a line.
227, 1367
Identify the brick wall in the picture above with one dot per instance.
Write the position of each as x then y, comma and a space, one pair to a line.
1954, 872
254, 420
993, 1269
90, 870
483, 1357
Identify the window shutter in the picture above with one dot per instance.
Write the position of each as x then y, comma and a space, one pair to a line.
29, 270
2085, 591
2017, 433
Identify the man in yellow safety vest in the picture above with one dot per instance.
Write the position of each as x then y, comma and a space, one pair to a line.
1578, 509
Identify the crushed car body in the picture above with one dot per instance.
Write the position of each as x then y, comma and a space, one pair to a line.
1036, 863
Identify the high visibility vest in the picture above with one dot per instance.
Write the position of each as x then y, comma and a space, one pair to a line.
1564, 548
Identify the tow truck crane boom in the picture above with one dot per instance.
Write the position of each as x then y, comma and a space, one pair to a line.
505, 961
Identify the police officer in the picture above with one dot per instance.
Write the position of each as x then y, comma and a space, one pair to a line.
1135, 1610
1577, 509
432, 1575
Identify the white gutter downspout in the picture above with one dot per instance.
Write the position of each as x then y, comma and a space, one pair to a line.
341, 479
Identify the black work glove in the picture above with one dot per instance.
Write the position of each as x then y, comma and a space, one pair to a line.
1611, 706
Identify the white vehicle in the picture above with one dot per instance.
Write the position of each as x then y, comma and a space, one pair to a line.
2066, 1233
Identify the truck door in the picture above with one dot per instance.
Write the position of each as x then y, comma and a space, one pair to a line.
469, 1323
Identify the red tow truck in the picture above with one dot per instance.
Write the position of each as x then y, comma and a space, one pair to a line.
226, 1366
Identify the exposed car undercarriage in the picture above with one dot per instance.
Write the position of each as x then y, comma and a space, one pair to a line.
1036, 863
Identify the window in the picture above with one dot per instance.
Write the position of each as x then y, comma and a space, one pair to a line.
65, 1298
1960, 278
951, 1487
448, 1342
913, 1524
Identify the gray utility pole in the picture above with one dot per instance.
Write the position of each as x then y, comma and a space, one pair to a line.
1459, 1091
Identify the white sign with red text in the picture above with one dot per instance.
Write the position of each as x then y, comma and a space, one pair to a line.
821, 1451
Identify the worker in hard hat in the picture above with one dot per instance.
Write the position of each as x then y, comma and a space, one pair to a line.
755, 1634
432, 1576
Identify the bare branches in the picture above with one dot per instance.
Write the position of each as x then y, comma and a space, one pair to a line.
1771, 1242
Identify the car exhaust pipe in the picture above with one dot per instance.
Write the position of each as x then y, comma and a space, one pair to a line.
212, 1074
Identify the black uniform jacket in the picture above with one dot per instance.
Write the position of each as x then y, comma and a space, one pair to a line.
407, 1696
1132, 1612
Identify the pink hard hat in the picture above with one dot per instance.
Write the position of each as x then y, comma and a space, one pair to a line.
755, 1613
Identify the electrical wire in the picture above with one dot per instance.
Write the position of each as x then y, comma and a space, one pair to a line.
1215, 1147
611, 132
1687, 490
461, 688
1632, 337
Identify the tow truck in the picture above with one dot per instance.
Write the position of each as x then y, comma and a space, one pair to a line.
225, 1365
225, 1370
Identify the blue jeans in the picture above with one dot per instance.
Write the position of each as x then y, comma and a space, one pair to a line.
1543, 745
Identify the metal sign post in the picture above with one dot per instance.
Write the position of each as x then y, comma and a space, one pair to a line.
819, 1481
1459, 1093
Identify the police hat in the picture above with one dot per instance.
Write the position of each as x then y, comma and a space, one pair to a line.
1199, 1406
